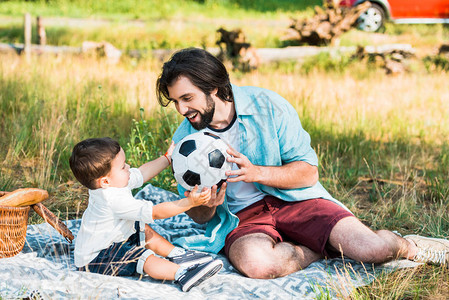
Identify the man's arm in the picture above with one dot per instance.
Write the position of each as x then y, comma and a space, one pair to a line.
296, 174
204, 213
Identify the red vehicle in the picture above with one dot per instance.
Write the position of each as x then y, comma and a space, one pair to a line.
401, 12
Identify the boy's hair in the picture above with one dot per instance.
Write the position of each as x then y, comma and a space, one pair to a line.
203, 69
91, 159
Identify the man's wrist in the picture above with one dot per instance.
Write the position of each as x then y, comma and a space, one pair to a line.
260, 174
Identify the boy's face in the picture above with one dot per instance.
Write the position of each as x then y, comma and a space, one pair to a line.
119, 174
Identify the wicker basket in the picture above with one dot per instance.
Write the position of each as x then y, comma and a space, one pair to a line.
13, 228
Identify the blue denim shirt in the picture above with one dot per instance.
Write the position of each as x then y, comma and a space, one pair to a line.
270, 135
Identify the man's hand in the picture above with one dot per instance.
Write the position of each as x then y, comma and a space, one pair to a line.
197, 199
296, 174
247, 172
204, 213
216, 199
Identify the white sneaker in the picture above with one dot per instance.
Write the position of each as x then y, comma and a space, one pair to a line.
430, 250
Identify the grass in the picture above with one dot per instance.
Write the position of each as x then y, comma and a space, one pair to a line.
382, 145
382, 141
178, 24
152, 9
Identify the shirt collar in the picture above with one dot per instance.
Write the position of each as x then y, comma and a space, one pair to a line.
243, 103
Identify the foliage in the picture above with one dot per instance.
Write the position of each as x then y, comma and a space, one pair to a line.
148, 141
436, 63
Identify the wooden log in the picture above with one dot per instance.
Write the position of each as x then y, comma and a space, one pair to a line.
326, 25
41, 35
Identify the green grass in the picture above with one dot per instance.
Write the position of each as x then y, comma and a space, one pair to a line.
177, 24
152, 9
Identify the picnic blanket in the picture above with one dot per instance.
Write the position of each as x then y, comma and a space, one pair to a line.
45, 270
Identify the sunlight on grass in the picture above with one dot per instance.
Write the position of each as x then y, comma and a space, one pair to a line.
381, 141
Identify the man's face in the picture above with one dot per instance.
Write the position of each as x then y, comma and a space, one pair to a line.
191, 102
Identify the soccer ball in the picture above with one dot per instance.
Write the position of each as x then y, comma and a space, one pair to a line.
200, 158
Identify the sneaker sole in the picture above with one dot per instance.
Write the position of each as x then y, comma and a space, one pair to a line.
205, 274
199, 261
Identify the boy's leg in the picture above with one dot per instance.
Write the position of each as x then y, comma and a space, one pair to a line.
155, 242
159, 268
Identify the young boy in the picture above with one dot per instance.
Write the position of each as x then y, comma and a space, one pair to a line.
110, 240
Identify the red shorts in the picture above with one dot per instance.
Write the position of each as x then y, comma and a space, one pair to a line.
307, 223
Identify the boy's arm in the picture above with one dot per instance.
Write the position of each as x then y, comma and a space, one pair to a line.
169, 209
154, 167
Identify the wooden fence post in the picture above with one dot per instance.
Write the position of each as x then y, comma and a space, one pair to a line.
41, 35
27, 34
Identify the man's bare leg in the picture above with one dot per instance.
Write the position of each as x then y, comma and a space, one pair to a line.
357, 241
258, 256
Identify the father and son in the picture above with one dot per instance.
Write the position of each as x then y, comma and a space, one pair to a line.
271, 218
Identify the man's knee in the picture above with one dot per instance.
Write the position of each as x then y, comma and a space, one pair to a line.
259, 270
253, 256
258, 256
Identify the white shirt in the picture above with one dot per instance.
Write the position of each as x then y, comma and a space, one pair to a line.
239, 194
109, 218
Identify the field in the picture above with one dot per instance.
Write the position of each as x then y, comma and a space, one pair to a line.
382, 140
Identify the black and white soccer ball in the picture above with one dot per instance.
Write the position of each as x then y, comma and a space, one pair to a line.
200, 159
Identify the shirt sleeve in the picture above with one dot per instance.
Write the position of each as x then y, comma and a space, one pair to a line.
135, 178
125, 206
294, 141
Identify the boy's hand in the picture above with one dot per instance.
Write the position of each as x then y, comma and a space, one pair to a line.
170, 150
197, 199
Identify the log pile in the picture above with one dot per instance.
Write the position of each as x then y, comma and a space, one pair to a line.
444, 50
326, 25
235, 49
391, 57
102, 49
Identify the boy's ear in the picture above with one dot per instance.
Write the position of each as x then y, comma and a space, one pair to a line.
103, 182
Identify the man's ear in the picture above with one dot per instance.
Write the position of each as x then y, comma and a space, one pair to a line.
214, 92
103, 182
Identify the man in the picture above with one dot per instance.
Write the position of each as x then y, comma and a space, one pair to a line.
272, 217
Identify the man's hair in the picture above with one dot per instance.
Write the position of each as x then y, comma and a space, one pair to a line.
203, 69
91, 159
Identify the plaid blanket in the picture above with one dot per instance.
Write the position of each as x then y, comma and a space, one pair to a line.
45, 270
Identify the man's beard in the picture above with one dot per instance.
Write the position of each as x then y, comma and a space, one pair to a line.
207, 116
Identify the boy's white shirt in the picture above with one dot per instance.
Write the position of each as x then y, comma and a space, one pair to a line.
109, 218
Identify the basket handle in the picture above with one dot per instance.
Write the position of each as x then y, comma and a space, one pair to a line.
53, 220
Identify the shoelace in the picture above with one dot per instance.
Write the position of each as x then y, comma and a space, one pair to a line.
428, 255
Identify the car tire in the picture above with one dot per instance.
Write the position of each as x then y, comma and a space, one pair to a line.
373, 19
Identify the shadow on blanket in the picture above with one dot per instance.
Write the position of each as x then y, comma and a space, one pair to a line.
45, 268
